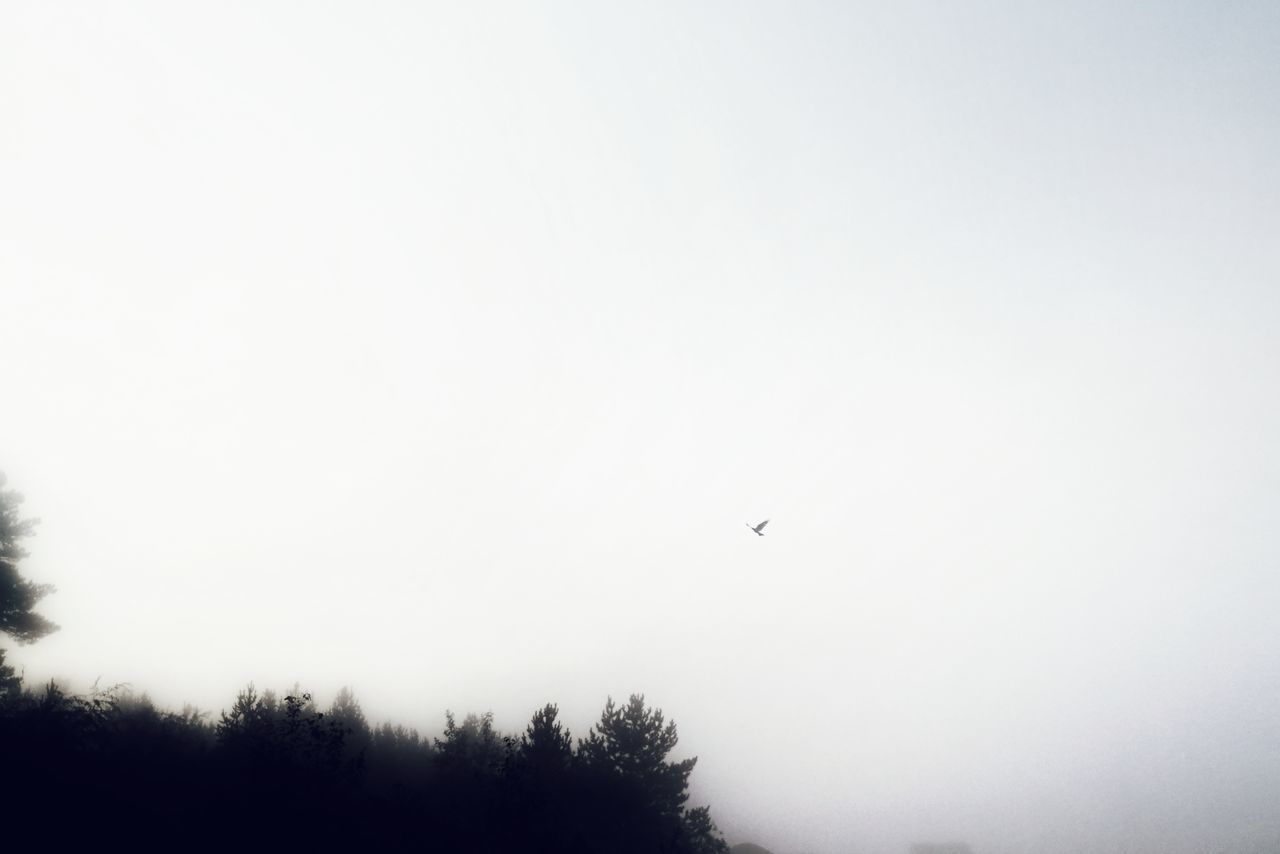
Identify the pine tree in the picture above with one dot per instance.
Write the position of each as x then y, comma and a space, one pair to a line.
346, 708
17, 595
10, 680
632, 742
546, 747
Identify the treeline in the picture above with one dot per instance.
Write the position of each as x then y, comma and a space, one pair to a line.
109, 768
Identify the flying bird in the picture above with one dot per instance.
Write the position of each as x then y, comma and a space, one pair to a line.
759, 529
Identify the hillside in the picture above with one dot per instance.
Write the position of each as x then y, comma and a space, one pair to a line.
749, 848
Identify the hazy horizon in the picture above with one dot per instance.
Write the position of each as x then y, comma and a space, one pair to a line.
443, 351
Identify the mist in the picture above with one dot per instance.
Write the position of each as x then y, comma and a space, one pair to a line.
441, 352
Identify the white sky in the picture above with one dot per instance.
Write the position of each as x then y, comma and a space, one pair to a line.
443, 350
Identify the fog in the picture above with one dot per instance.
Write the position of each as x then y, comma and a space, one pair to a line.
442, 351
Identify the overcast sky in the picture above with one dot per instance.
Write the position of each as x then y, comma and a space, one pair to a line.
442, 350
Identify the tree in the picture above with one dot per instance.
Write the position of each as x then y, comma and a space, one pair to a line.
346, 708
546, 747
346, 713
541, 807
17, 595
267, 732
700, 833
632, 742
474, 745
10, 680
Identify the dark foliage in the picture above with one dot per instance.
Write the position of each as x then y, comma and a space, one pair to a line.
10, 680
110, 766
17, 595
111, 770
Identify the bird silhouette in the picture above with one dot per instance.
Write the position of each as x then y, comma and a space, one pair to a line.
759, 529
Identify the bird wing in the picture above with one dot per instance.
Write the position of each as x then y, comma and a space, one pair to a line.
760, 527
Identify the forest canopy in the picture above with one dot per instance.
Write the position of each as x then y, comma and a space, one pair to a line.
278, 770
281, 770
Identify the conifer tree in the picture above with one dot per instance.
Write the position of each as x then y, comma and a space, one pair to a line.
18, 596
633, 741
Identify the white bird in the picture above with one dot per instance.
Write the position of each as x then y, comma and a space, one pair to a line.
759, 529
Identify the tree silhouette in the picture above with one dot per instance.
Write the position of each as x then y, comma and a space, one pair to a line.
17, 595
275, 771
700, 834
633, 742
546, 747
346, 711
10, 680
541, 785
474, 745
